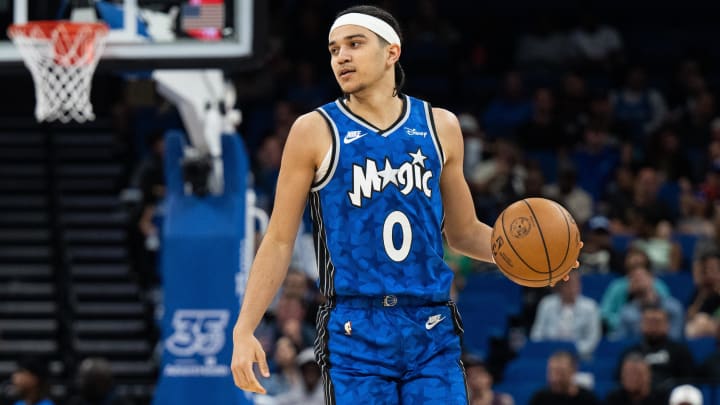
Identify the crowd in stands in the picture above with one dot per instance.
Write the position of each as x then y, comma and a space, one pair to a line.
564, 108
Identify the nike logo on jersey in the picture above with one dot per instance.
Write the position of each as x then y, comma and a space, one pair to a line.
433, 320
409, 176
353, 136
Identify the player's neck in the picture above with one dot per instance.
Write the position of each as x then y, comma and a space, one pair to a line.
380, 108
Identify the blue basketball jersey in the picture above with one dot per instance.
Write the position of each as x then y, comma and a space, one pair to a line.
378, 211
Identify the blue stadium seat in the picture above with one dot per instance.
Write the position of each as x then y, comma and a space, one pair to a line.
483, 311
595, 284
479, 284
526, 369
621, 243
687, 244
701, 348
603, 387
612, 348
602, 368
543, 349
681, 285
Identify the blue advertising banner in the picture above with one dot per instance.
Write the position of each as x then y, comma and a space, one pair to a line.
201, 258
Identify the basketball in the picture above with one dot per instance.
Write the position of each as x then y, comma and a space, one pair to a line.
535, 242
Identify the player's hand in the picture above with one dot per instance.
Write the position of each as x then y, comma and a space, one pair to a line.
577, 264
247, 350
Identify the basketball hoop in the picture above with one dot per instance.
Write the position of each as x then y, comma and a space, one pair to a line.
61, 56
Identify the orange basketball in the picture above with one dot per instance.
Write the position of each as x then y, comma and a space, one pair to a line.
535, 242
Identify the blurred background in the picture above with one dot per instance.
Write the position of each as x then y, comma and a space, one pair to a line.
606, 107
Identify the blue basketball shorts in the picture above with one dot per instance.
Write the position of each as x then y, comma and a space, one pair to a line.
372, 353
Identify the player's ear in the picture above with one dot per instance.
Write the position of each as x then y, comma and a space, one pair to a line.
393, 53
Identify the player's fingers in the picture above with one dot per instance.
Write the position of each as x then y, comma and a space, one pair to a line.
262, 363
248, 382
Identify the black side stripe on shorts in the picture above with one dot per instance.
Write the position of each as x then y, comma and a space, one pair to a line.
322, 351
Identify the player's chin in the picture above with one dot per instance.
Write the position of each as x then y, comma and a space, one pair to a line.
347, 87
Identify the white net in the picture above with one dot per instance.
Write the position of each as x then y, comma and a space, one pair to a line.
61, 57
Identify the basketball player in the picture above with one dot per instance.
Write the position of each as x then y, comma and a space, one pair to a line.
384, 175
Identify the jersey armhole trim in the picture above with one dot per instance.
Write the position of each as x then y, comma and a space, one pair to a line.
334, 155
433, 132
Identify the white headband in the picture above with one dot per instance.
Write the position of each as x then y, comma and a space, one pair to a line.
374, 24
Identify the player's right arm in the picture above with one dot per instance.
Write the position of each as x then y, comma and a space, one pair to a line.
303, 152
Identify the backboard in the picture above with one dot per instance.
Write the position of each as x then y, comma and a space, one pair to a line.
148, 34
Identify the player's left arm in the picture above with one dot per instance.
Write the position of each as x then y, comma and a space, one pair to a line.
463, 231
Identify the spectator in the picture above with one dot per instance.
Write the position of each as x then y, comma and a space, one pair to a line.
268, 169
635, 384
686, 395
497, 181
708, 244
595, 158
480, 382
600, 45
643, 293
695, 213
284, 372
695, 123
30, 382
546, 49
597, 254
95, 384
568, 315
474, 141
642, 108
289, 319
572, 108
669, 360
562, 388
310, 390
654, 237
543, 130
704, 308
667, 155
645, 200
617, 292
509, 110
709, 370
567, 192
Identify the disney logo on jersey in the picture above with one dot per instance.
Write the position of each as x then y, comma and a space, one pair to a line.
353, 136
409, 176
415, 132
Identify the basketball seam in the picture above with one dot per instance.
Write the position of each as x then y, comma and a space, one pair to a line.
547, 255
567, 226
502, 221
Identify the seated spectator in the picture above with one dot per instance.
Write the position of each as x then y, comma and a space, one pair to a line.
30, 382
543, 130
562, 388
708, 244
635, 387
284, 372
654, 237
686, 395
288, 319
709, 369
617, 292
480, 382
641, 107
95, 384
600, 45
597, 254
669, 360
643, 293
546, 49
568, 315
595, 159
667, 156
310, 390
696, 213
509, 110
567, 192
704, 310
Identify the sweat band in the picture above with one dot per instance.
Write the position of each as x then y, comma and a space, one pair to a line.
374, 24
